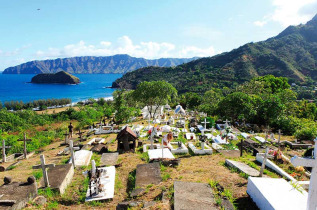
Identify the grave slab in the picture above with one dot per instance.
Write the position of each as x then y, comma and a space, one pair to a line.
157, 154
60, 176
107, 181
219, 140
96, 140
21, 193
190, 195
147, 147
181, 150
190, 136
147, 174
243, 167
278, 194
207, 150
109, 159
82, 157
229, 153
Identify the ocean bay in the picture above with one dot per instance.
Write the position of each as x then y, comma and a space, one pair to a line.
16, 87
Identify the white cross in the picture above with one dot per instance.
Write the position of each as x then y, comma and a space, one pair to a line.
4, 150
72, 148
226, 123
308, 162
205, 122
44, 169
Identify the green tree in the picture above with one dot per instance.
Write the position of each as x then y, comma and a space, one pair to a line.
210, 101
238, 105
154, 93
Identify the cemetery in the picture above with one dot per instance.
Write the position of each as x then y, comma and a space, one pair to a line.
213, 166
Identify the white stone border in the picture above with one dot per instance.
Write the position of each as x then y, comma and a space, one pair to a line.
200, 151
182, 150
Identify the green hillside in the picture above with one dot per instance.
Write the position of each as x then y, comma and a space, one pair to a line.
292, 54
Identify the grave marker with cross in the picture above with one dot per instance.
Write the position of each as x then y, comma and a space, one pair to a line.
226, 123
44, 167
4, 147
309, 162
66, 136
205, 122
24, 141
72, 149
80, 135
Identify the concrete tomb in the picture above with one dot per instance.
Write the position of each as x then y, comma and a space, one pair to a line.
101, 184
96, 141
204, 150
15, 195
109, 159
82, 158
190, 136
190, 195
180, 148
155, 154
277, 194
60, 177
147, 174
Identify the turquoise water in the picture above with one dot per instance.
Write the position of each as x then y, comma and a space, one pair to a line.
16, 87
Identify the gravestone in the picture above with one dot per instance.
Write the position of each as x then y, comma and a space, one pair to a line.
277, 194
101, 183
190, 195
109, 159
82, 158
100, 148
155, 154
15, 195
148, 174
60, 176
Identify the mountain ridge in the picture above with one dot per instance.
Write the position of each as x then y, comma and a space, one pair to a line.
292, 53
120, 63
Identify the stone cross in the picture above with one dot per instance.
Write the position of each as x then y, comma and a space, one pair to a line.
205, 122
72, 149
66, 136
226, 123
44, 167
4, 147
264, 161
309, 162
25, 140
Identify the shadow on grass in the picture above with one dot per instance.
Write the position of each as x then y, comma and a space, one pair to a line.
245, 203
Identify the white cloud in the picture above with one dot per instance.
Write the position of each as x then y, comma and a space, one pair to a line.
124, 45
290, 12
260, 23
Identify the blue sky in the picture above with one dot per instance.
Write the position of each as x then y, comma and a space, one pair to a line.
141, 28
